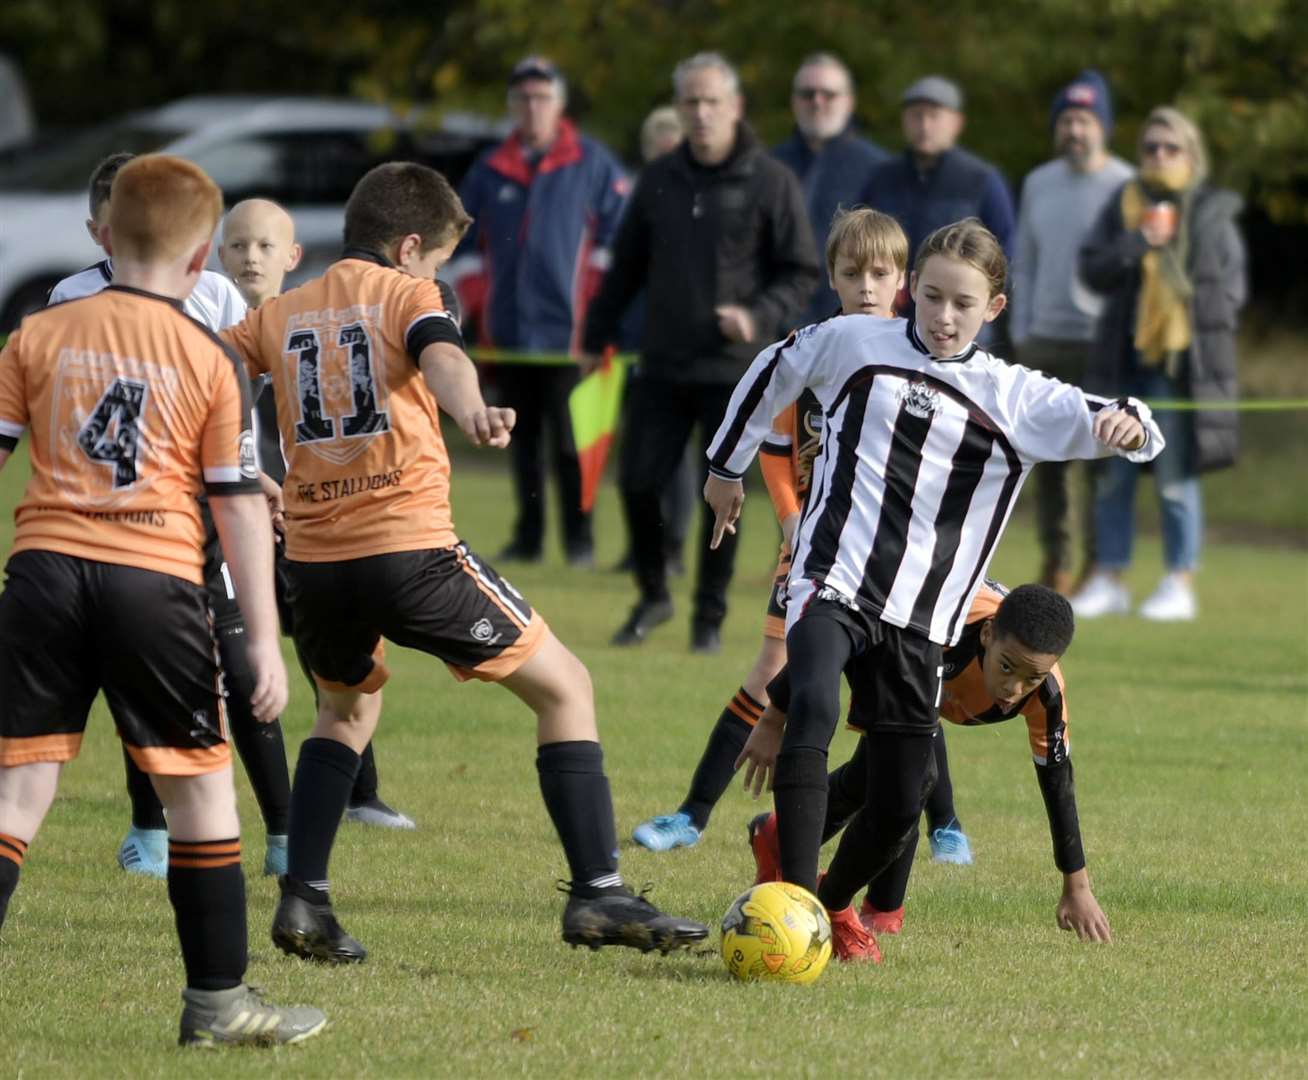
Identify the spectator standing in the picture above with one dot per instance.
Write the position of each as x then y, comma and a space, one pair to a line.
833, 163
1167, 255
1053, 312
717, 236
935, 182
545, 204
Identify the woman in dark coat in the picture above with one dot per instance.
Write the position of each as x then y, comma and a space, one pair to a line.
1167, 255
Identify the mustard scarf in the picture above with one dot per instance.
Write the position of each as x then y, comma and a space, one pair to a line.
1162, 318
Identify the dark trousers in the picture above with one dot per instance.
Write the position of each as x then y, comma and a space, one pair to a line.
539, 395
1060, 515
661, 417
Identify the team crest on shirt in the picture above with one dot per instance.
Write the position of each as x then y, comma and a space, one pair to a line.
483, 631
245, 452
918, 399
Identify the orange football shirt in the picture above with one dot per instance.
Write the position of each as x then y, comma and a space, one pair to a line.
366, 466
133, 410
965, 701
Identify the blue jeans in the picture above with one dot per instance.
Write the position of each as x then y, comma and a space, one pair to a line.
1179, 501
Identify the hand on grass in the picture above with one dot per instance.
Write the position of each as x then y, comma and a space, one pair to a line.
1079, 910
725, 497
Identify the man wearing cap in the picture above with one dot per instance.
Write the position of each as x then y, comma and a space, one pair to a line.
545, 205
1053, 313
832, 161
935, 182
718, 238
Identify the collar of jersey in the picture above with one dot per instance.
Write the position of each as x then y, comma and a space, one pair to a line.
367, 255
113, 287
910, 328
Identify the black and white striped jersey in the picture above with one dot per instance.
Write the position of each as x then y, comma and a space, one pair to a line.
214, 301
920, 464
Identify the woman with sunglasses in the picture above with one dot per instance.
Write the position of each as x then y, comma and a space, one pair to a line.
1167, 255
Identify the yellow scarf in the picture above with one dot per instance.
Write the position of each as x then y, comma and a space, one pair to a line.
1162, 316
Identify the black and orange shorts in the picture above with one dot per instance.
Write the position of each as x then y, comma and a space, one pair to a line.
70, 627
774, 622
445, 602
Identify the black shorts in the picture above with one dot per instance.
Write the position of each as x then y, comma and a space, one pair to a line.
896, 676
70, 627
445, 602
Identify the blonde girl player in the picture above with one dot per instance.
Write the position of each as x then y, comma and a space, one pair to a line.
927, 441
867, 259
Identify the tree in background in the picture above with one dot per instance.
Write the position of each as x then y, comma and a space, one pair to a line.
1239, 68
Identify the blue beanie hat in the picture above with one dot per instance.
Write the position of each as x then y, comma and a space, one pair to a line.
1087, 91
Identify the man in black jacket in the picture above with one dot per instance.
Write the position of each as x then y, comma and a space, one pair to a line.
717, 235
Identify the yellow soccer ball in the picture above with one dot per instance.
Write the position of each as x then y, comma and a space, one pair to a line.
776, 932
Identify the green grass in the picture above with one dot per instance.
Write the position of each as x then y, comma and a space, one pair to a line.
1189, 742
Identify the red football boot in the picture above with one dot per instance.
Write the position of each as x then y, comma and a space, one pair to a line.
876, 921
767, 852
850, 939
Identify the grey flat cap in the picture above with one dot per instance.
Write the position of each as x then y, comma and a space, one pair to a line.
937, 90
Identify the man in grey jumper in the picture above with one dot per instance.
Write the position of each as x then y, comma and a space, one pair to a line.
1053, 312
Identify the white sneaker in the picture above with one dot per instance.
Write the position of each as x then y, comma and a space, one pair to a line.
1103, 594
1172, 601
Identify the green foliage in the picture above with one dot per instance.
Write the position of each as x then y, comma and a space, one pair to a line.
1240, 68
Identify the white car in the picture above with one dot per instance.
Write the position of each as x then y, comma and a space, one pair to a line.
306, 153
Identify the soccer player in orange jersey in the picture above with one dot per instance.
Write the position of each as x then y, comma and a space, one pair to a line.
133, 409
1005, 665
360, 360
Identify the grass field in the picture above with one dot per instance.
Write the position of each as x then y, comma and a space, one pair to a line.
1190, 748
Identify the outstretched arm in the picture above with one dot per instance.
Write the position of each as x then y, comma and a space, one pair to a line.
452, 379
1077, 909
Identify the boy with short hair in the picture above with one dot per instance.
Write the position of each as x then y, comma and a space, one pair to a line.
133, 411
258, 250
215, 303
867, 259
1005, 665
360, 360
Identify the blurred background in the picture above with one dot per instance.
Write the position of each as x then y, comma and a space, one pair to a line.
80, 78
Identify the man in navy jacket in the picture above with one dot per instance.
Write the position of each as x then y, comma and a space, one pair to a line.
833, 163
545, 205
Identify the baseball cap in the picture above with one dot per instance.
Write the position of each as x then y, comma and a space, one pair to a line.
935, 89
534, 67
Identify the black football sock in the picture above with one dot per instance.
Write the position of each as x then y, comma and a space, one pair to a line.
800, 795
260, 746
940, 805
846, 792
900, 769
207, 891
12, 853
147, 810
887, 891
324, 776
365, 784
718, 764
577, 796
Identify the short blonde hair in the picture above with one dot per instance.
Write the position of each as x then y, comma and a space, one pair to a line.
867, 237
159, 206
1186, 130
968, 241
665, 120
